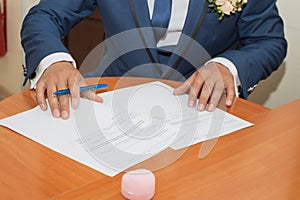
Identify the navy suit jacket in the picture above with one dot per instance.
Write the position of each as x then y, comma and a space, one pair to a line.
252, 39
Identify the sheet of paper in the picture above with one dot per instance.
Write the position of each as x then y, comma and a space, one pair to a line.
190, 125
57, 134
131, 125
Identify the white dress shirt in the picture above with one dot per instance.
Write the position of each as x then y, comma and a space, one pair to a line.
180, 7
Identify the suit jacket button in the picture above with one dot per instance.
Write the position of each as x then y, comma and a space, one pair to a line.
33, 75
250, 89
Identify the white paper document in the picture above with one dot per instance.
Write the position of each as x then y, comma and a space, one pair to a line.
132, 125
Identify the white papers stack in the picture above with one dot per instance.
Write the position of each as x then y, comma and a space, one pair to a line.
132, 125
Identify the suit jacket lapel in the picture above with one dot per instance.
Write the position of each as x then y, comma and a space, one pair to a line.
140, 13
196, 11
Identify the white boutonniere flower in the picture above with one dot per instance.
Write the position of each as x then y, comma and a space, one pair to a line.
226, 7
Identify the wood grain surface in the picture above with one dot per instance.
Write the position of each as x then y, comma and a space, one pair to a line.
260, 162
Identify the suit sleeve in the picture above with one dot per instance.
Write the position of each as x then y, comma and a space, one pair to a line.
46, 24
263, 46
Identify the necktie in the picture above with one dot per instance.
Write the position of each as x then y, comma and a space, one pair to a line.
161, 17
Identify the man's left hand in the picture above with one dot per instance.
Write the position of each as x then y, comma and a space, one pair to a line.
208, 84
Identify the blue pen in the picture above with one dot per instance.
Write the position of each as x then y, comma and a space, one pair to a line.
86, 88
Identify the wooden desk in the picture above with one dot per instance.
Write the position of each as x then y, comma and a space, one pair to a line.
261, 162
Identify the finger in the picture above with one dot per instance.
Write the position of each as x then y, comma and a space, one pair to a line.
91, 95
63, 101
75, 91
185, 87
64, 106
205, 95
40, 95
230, 94
196, 86
98, 99
53, 101
228, 83
215, 96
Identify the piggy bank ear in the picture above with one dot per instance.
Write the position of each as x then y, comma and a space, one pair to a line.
3, 44
138, 185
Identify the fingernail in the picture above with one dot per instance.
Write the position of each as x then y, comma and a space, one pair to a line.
75, 103
201, 107
64, 114
43, 106
211, 107
191, 103
228, 102
174, 92
56, 113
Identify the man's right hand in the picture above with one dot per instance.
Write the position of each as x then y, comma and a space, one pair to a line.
59, 76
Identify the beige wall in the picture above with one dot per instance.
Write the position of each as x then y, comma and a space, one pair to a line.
10, 65
283, 85
278, 89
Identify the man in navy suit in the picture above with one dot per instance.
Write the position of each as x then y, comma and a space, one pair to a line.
244, 42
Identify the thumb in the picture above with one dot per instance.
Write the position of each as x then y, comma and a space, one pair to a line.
91, 95
184, 87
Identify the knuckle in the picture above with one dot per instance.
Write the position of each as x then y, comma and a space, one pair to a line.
203, 100
192, 96
193, 92
219, 90
39, 100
